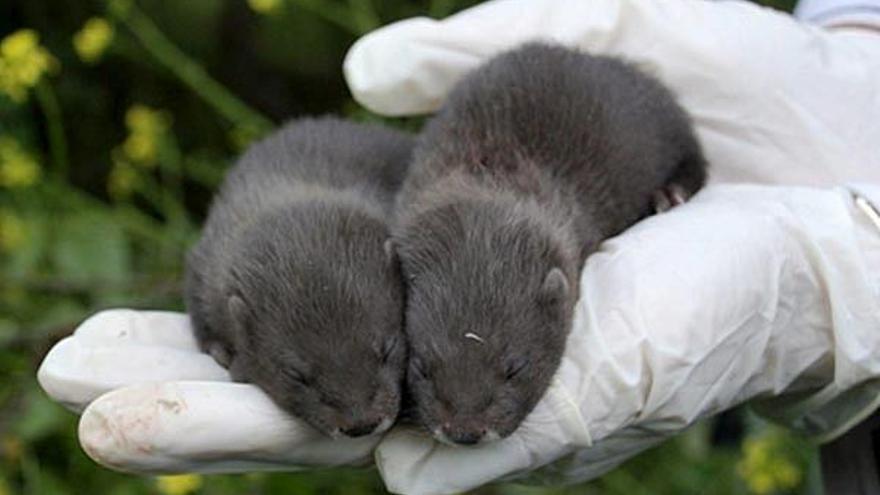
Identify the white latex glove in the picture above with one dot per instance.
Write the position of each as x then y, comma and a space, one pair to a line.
773, 100
745, 291
151, 402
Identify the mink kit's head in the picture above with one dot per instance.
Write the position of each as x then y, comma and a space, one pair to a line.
317, 301
489, 302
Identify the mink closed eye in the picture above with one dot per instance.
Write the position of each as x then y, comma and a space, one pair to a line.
388, 349
293, 374
515, 367
420, 369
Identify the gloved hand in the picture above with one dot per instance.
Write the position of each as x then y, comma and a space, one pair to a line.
733, 296
744, 292
152, 402
773, 100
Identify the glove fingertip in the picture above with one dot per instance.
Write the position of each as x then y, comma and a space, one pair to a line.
52, 375
97, 440
385, 70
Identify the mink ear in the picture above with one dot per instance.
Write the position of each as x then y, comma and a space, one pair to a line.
555, 287
390, 251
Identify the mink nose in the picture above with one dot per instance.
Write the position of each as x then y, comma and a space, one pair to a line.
361, 429
465, 437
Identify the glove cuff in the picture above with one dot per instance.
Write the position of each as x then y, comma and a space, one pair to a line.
828, 13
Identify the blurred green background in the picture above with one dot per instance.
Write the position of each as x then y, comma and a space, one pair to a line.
117, 121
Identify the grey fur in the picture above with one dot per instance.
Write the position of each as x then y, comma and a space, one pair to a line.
537, 156
292, 282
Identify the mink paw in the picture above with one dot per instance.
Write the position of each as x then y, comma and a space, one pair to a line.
669, 196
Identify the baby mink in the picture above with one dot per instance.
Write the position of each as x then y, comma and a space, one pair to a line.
294, 285
537, 157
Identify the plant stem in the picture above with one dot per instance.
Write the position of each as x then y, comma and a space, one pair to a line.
441, 8
60, 285
171, 171
162, 199
365, 16
54, 128
356, 25
128, 217
623, 482
190, 72
203, 172
30, 469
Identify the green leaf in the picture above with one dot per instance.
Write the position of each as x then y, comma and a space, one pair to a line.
91, 247
63, 313
8, 331
25, 259
41, 418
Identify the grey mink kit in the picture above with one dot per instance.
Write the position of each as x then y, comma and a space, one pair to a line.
293, 284
536, 157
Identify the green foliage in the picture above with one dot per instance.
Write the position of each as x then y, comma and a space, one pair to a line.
91, 247
118, 119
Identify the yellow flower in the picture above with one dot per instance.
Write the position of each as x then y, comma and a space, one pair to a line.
145, 120
757, 450
12, 231
18, 168
265, 6
22, 63
92, 40
761, 483
141, 148
146, 127
122, 180
180, 484
789, 476
11, 448
765, 466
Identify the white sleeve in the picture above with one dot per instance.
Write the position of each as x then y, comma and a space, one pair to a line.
864, 14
